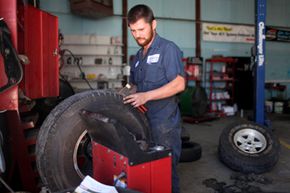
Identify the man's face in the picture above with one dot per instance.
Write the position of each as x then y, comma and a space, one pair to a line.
143, 32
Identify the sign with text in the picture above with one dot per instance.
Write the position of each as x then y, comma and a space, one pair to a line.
228, 33
274, 34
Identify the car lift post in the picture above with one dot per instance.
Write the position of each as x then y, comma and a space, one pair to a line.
260, 61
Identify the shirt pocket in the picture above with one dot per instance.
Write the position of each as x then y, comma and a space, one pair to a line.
154, 74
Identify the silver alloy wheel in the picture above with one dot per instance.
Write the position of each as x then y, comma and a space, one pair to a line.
76, 154
250, 141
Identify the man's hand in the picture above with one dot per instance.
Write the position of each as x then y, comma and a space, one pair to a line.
175, 86
136, 99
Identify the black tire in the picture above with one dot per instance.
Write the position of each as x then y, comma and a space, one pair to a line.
44, 106
190, 152
199, 102
63, 135
248, 148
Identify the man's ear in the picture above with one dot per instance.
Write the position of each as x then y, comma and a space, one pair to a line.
154, 24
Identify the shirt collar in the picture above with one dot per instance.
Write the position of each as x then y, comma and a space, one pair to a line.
156, 41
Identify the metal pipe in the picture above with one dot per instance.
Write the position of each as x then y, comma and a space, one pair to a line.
197, 29
124, 31
6, 185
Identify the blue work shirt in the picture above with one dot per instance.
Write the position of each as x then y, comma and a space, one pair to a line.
161, 64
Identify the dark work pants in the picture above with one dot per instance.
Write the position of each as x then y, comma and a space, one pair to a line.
170, 137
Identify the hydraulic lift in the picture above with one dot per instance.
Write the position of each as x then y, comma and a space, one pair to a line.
259, 116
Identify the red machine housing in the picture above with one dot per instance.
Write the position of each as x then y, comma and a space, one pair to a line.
9, 98
37, 38
118, 149
149, 177
34, 33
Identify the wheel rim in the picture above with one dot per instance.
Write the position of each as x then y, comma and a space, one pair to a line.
82, 159
250, 141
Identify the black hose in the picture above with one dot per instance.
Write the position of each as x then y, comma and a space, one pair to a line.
77, 62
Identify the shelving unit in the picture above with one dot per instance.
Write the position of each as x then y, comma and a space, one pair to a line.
220, 82
277, 97
193, 69
193, 101
100, 60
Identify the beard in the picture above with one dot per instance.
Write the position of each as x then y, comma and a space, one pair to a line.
146, 40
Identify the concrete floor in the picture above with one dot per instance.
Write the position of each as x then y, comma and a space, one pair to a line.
207, 134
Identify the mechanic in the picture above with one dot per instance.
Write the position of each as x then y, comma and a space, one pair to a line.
157, 72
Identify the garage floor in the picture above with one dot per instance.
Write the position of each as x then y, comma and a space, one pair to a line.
209, 175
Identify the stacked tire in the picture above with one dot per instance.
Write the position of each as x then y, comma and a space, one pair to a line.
191, 151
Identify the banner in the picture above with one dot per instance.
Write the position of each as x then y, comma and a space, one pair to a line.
228, 33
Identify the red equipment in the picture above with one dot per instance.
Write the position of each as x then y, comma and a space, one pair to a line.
37, 38
149, 177
32, 33
146, 168
41, 75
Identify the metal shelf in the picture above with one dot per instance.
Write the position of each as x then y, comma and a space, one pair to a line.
220, 70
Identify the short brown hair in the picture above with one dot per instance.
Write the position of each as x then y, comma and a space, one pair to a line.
140, 11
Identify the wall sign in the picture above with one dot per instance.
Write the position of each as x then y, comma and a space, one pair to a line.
273, 34
228, 33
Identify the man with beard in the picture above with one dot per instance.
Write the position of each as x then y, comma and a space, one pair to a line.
158, 74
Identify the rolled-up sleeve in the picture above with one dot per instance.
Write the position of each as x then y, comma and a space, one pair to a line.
172, 61
132, 69
132, 80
